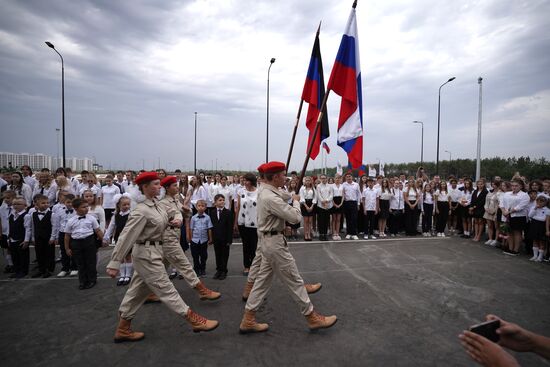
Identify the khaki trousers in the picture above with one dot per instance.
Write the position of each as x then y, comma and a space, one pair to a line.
277, 259
255, 266
173, 253
150, 276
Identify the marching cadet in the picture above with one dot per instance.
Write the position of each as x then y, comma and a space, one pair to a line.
255, 267
143, 234
273, 211
173, 253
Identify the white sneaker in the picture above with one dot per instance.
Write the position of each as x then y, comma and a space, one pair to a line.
493, 243
338, 237
354, 237
488, 242
442, 234
538, 259
62, 274
533, 258
348, 237
366, 237
73, 273
392, 235
373, 237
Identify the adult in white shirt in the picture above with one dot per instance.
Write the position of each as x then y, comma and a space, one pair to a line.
397, 206
442, 208
514, 206
324, 194
337, 200
27, 176
196, 192
108, 193
308, 200
412, 196
352, 199
20, 187
383, 215
371, 205
247, 220
464, 207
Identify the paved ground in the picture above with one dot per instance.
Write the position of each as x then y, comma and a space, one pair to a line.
400, 302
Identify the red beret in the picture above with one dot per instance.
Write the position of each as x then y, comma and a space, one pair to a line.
168, 180
274, 167
145, 177
261, 168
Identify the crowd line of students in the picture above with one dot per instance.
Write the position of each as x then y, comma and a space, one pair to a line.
82, 215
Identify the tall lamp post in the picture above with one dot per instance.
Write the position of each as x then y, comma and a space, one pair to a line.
478, 160
267, 124
195, 154
50, 45
421, 142
450, 160
57, 145
438, 123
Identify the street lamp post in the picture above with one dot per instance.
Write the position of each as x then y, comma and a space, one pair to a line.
267, 124
438, 123
421, 142
478, 160
57, 145
49, 44
195, 154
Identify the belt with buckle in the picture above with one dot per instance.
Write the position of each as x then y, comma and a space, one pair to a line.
272, 233
149, 242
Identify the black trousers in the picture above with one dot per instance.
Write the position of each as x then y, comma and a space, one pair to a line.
411, 219
350, 212
221, 249
395, 221
249, 237
442, 217
427, 217
199, 251
370, 222
323, 218
85, 255
45, 254
67, 262
20, 257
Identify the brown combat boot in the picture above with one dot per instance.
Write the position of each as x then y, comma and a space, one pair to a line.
152, 298
317, 321
206, 293
200, 323
247, 290
124, 333
249, 324
313, 288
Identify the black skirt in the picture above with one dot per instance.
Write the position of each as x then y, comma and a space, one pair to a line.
305, 213
384, 209
517, 223
337, 200
537, 230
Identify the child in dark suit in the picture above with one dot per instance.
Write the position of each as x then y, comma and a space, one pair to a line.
222, 235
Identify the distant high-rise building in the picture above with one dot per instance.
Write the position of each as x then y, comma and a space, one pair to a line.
37, 161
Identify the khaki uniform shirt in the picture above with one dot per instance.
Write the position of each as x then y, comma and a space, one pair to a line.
146, 222
171, 205
273, 210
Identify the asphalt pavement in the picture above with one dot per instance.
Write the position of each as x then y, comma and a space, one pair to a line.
400, 302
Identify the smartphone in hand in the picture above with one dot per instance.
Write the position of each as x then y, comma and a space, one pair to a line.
487, 329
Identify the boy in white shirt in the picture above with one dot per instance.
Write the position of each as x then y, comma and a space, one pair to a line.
371, 205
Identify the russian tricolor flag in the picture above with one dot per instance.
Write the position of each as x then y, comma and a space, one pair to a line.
313, 94
345, 80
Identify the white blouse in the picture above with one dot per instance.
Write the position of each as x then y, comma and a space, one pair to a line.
248, 210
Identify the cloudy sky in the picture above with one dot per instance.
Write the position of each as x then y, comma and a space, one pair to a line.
136, 71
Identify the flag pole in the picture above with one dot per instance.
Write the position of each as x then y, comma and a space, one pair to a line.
312, 142
298, 117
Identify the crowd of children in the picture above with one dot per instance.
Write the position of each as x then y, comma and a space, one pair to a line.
83, 214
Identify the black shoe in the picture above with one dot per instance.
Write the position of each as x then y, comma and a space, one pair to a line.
81, 286
46, 275
223, 275
13, 276
173, 275
120, 281
37, 274
127, 280
8, 269
89, 285
217, 275
21, 275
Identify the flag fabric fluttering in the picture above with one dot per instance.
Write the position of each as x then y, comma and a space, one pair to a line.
326, 147
313, 94
345, 80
